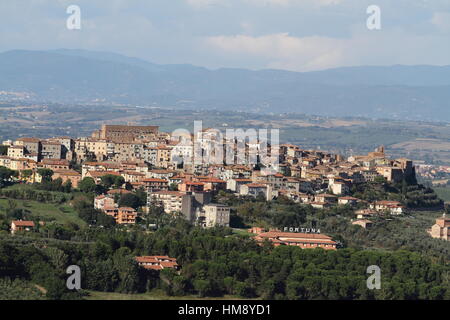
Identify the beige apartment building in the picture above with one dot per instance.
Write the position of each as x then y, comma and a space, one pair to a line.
170, 200
101, 149
164, 157
216, 215
16, 152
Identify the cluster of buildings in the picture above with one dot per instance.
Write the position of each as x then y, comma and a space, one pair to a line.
27, 155
432, 171
161, 163
438, 175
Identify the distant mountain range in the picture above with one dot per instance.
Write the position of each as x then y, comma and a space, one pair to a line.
78, 76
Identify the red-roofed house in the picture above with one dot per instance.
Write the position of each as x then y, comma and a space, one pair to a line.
157, 262
19, 225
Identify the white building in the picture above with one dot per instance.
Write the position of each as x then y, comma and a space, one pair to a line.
213, 215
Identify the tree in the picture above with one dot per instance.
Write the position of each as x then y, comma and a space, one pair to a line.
5, 176
130, 200
203, 287
3, 150
67, 186
26, 174
46, 174
244, 290
118, 182
128, 186
107, 180
379, 179
142, 195
87, 185
110, 180
104, 220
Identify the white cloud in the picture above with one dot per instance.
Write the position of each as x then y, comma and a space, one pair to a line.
442, 21
282, 51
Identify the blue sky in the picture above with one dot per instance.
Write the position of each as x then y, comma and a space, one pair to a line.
299, 35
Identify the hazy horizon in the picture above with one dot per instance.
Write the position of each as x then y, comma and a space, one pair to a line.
219, 68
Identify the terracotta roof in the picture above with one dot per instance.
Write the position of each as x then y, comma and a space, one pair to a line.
68, 173
168, 264
134, 173
156, 262
55, 161
20, 223
192, 183
34, 140
118, 191
173, 193
162, 171
212, 180
275, 234
99, 174
256, 185
154, 180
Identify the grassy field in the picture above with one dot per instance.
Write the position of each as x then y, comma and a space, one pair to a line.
62, 214
154, 295
443, 193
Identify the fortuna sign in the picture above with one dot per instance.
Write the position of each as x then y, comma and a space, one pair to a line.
302, 230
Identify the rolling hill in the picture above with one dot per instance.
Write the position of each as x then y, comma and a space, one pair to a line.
78, 76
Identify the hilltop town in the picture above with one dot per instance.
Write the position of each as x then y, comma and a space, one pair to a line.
136, 183
159, 163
